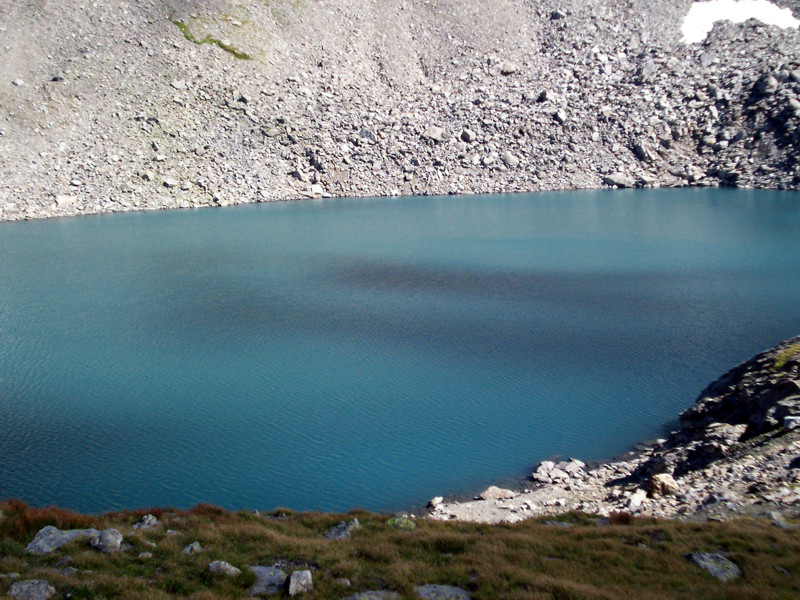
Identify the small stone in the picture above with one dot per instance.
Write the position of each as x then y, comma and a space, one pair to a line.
180, 84
717, 565
193, 548
170, 182
109, 541
560, 116
441, 592
300, 582
509, 159
496, 493
343, 530
145, 555
434, 133
32, 589
146, 522
401, 523
148, 175
65, 200
18, 82
468, 136
225, 568
636, 499
790, 423
557, 14
508, 68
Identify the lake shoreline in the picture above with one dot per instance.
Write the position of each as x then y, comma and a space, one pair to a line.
736, 453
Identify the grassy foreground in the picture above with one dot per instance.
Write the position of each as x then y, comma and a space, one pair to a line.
628, 558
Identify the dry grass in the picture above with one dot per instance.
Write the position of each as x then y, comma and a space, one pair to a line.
630, 558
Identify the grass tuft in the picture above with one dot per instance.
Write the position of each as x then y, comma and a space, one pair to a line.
785, 355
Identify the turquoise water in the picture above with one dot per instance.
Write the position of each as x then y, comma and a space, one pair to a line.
372, 353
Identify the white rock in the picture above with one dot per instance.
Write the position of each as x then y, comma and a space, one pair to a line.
225, 568
299, 582
496, 493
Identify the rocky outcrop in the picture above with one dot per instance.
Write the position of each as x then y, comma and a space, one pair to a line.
734, 453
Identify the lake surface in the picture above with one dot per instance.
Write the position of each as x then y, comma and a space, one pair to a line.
375, 352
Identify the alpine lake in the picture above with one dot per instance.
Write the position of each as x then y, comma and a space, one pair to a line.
373, 353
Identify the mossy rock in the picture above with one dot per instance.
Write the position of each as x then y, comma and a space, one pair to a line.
402, 524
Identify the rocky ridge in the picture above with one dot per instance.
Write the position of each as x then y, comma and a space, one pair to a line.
737, 452
167, 103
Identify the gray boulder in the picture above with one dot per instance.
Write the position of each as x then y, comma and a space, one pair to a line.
224, 568
269, 580
32, 589
619, 179
717, 565
146, 522
442, 592
108, 541
51, 538
300, 582
193, 548
343, 530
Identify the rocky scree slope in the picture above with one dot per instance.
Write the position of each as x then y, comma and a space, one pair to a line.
737, 452
169, 103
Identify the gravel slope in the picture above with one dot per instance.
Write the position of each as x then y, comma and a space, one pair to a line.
115, 106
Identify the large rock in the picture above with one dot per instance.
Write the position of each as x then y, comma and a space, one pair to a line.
619, 179
496, 493
441, 592
662, 484
717, 565
109, 541
343, 530
51, 538
269, 580
300, 582
32, 589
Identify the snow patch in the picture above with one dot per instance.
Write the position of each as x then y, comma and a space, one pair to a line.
702, 16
